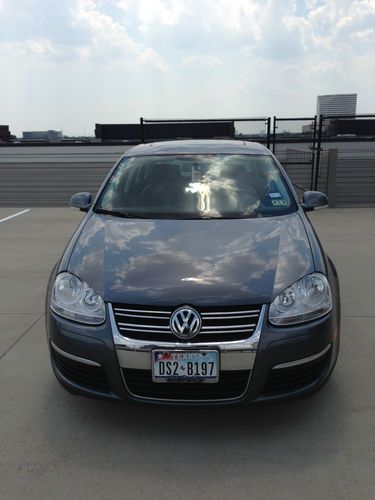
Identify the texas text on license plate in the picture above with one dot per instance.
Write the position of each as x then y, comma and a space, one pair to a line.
185, 366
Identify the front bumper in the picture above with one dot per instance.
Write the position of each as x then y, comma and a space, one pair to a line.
275, 363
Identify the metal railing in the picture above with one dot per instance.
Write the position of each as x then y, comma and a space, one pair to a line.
335, 154
258, 129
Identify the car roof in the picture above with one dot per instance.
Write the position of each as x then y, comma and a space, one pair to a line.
198, 146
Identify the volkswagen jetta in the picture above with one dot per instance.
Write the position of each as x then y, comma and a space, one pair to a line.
194, 278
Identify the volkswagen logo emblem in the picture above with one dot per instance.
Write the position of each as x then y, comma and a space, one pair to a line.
185, 322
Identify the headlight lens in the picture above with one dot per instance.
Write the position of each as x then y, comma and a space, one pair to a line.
74, 299
307, 299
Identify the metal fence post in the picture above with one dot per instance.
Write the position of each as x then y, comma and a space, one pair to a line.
268, 132
331, 184
274, 135
313, 148
142, 131
318, 150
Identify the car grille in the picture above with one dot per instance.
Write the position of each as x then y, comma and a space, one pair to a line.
92, 377
219, 324
231, 384
290, 379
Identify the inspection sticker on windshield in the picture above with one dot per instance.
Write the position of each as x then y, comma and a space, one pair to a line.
185, 366
274, 195
279, 203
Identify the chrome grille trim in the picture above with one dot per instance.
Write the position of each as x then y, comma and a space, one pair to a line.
140, 330
213, 332
226, 324
164, 331
248, 345
130, 315
140, 326
231, 313
242, 316
249, 325
140, 310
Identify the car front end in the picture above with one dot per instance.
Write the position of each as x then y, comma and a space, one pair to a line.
208, 310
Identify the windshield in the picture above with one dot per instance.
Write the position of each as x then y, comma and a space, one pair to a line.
196, 186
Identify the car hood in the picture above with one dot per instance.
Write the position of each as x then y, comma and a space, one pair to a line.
201, 262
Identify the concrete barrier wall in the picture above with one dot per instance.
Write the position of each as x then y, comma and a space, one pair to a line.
49, 176
355, 182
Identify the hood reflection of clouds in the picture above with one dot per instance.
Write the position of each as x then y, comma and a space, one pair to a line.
191, 260
294, 251
240, 262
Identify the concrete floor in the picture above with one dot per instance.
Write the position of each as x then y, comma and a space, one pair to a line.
54, 445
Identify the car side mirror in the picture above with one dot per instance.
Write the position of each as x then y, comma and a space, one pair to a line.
82, 201
314, 199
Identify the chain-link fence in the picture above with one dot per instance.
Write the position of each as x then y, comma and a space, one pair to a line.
293, 143
299, 167
255, 129
352, 172
286, 130
333, 154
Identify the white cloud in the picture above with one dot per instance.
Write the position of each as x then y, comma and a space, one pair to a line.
110, 40
202, 60
151, 12
367, 35
115, 60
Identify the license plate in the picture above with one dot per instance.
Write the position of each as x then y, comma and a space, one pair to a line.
185, 366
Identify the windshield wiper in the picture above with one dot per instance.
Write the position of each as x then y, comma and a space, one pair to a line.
199, 215
252, 215
118, 213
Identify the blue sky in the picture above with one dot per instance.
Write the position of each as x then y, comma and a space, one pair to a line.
71, 63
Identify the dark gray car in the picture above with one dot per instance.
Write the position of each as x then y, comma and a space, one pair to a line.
195, 278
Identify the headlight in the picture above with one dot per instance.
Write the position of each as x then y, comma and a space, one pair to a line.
74, 299
307, 299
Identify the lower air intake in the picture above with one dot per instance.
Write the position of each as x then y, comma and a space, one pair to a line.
290, 379
231, 384
91, 377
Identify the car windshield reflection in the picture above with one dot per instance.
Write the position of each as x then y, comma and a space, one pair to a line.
196, 186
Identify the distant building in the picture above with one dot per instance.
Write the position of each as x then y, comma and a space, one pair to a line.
336, 105
308, 129
48, 135
4, 133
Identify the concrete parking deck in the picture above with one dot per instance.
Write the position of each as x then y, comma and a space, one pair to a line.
54, 445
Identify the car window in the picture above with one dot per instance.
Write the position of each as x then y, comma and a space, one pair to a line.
195, 186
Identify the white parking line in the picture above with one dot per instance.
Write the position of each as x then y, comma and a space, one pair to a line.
15, 215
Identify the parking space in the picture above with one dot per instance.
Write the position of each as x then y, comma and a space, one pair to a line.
54, 445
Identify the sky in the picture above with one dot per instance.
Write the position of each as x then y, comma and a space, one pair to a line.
68, 64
